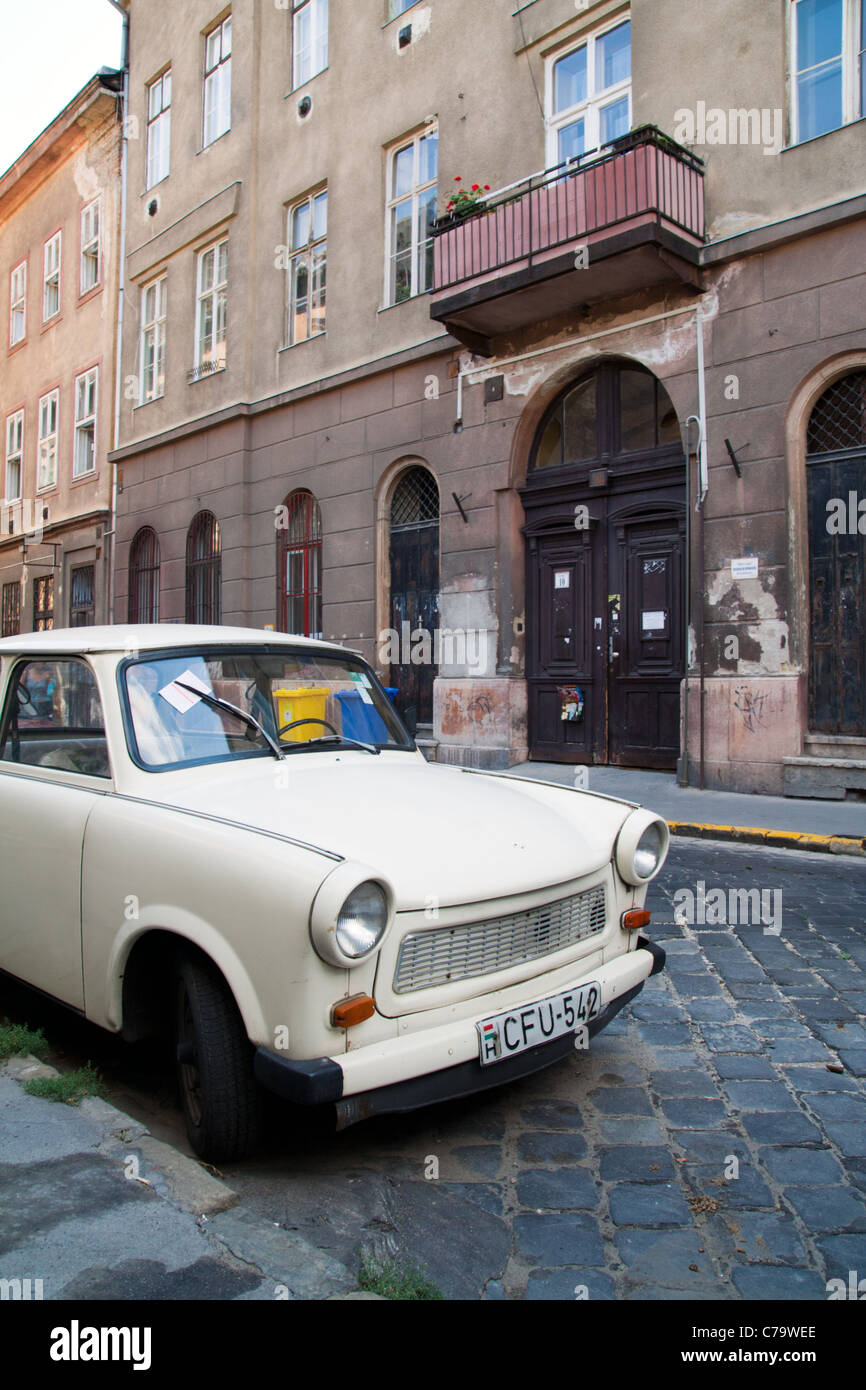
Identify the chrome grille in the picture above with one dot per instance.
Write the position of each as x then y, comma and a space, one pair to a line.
439, 957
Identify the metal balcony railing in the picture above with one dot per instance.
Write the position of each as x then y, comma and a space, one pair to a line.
641, 177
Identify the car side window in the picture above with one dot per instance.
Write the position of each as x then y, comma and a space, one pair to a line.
53, 718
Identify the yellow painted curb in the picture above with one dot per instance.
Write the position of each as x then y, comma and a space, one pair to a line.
780, 839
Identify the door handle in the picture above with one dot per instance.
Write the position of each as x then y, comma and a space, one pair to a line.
611, 652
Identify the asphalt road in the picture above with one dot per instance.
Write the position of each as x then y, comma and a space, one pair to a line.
700, 1148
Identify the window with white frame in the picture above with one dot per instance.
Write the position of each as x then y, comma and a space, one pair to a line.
158, 129
828, 44
14, 456
396, 7
218, 81
212, 297
51, 277
154, 299
91, 257
84, 453
46, 459
309, 39
589, 94
308, 240
18, 304
412, 192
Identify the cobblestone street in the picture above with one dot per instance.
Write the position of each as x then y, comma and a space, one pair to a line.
700, 1149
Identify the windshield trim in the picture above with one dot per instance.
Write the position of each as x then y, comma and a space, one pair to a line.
237, 649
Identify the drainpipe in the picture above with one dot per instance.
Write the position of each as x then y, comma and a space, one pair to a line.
703, 488
121, 298
687, 606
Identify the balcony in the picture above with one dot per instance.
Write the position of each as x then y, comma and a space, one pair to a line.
609, 224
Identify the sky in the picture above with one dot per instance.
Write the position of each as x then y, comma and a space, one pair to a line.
49, 49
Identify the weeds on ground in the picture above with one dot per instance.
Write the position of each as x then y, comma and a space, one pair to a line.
16, 1038
392, 1278
71, 1087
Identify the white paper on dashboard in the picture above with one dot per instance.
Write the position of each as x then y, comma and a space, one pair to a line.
182, 700
362, 684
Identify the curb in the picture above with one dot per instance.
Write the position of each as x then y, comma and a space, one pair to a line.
773, 839
169, 1172
297, 1269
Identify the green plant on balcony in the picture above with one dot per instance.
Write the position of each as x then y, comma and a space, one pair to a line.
464, 201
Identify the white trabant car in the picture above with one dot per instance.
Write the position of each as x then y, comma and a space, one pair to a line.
228, 837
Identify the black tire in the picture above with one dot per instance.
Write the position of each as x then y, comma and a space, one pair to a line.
222, 1102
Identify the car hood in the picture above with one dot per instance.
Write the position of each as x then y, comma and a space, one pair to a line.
435, 832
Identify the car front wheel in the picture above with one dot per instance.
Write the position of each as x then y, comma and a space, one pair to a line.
222, 1103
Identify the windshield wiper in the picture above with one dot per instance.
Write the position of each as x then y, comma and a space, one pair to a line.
331, 738
216, 702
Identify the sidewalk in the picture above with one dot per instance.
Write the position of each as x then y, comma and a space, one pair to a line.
784, 822
92, 1207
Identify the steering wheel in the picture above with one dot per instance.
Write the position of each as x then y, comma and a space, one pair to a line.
295, 722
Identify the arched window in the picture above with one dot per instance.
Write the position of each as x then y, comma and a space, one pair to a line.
299, 565
838, 420
144, 577
618, 409
415, 501
203, 568
414, 564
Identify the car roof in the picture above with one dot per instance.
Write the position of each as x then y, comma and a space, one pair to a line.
126, 637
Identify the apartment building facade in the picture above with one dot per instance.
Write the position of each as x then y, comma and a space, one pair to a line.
568, 461
60, 256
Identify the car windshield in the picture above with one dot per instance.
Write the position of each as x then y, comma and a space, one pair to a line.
305, 700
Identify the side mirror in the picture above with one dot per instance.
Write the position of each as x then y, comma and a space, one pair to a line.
410, 719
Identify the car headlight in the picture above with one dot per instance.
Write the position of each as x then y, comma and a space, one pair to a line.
350, 915
362, 920
641, 847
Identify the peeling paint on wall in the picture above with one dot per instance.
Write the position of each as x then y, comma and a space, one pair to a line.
752, 608
420, 19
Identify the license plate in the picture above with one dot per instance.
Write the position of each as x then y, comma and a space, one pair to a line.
507, 1034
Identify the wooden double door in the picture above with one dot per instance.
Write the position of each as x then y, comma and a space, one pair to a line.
605, 618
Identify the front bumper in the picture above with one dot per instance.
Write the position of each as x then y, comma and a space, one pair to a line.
324, 1081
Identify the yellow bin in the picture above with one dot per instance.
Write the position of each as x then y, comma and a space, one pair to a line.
305, 703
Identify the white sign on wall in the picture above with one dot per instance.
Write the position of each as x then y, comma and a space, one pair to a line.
746, 568
653, 621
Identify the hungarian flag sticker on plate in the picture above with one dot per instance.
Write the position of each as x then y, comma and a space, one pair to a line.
507, 1034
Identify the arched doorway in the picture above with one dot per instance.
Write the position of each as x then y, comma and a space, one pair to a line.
836, 489
414, 588
605, 530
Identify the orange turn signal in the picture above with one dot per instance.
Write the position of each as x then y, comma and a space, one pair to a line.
352, 1010
638, 917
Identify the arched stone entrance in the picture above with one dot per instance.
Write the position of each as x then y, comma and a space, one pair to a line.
605, 532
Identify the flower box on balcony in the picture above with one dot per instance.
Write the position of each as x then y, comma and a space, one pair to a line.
644, 177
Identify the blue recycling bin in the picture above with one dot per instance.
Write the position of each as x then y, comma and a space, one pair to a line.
360, 720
